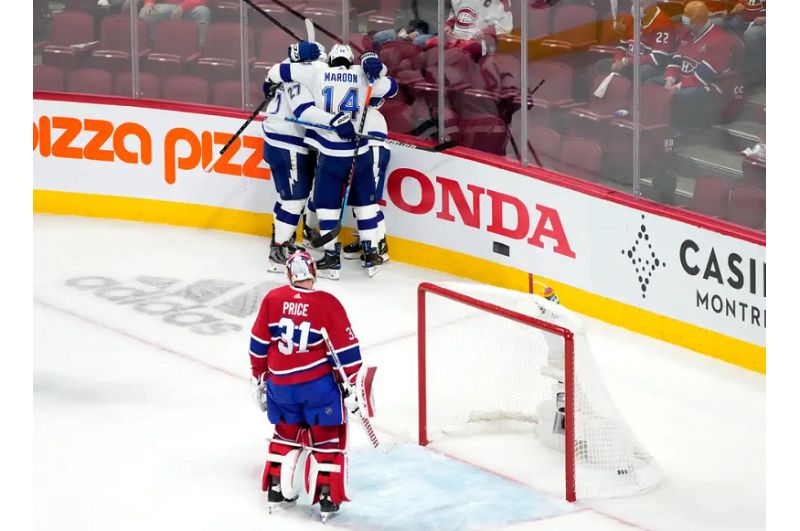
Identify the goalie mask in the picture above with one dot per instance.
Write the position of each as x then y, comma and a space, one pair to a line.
300, 266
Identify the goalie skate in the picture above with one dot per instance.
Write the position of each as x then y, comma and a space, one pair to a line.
326, 506
275, 499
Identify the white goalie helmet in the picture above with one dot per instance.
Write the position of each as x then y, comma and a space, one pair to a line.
341, 51
300, 266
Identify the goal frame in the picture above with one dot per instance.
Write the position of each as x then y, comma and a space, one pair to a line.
569, 366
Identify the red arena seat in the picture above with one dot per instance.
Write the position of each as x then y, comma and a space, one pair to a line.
221, 57
48, 77
546, 143
70, 36
748, 207
399, 118
272, 49
581, 158
90, 81
149, 85
189, 89
486, 133
175, 45
113, 53
710, 196
227, 94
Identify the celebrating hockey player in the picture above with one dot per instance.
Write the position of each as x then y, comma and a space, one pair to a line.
299, 389
288, 156
373, 227
340, 87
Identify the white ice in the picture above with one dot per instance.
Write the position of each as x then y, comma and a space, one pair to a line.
141, 422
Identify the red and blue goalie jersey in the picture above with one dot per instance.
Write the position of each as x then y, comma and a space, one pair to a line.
286, 341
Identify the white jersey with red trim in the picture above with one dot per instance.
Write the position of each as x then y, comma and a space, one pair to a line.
469, 18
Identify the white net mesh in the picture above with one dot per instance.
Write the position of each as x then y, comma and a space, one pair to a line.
488, 373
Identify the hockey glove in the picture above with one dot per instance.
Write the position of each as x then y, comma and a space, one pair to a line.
376, 102
351, 402
372, 66
343, 126
303, 51
269, 88
260, 391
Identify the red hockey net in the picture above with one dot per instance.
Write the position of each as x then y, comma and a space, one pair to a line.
522, 363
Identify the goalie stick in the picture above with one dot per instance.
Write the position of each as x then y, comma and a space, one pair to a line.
346, 383
435, 149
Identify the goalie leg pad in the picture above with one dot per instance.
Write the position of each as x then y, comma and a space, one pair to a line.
327, 463
278, 452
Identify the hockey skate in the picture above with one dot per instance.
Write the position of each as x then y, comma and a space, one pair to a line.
330, 266
370, 259
326, 505
275, 500
309, 234
354, 249
278, 254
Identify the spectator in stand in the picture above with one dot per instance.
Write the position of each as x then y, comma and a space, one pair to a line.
414, 19
660, 37
749, 18
703, 53
155, 10
474, 25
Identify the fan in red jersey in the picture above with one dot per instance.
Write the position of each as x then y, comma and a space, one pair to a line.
300, 391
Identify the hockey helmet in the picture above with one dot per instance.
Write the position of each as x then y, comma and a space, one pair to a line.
300, 266
341, 55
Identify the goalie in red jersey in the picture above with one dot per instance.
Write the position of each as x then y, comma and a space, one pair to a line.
299, 386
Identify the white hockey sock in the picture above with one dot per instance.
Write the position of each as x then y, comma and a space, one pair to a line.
311, 219
328, 219
381, 226
367, 222
287, 216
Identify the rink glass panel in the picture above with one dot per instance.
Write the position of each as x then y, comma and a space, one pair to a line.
529, 97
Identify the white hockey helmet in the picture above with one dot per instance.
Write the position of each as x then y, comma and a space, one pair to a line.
300, 266
341, 53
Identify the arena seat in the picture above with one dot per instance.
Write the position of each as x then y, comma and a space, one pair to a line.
222, 54
747, 207
573, 29
48, 77
394, 52
113, 53
227, 94
754, 170
149, 85
546, 143
487, 133
272, 49
90, 81
187, 89
399, 116
585, 121
70, 37
175, 46
581, 158
556, 92
710, 196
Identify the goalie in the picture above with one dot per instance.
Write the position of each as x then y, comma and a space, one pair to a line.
297, 387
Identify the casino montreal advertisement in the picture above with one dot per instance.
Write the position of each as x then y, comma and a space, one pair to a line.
639, 257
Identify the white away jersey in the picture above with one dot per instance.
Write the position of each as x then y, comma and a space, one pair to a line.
334, 89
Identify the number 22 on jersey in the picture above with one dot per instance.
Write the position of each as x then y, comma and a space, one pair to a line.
286, 344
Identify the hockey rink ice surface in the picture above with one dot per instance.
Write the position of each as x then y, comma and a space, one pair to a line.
143, 415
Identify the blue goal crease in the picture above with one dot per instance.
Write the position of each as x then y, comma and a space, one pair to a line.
413, 488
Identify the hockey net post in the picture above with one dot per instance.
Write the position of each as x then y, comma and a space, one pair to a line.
569, 345
523, 364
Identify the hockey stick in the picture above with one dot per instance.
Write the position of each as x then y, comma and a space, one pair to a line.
294, 12
349, 388
273, 19
435, 149
252, 117
334, 233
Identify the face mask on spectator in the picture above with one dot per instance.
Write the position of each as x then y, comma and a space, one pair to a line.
686, 21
